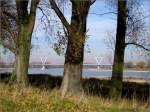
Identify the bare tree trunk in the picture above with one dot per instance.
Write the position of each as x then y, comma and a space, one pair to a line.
76, 33
23, 58
25, 28
72, 79
117, 73
21, 71
75, 49
73, 66
23, 24
22, 68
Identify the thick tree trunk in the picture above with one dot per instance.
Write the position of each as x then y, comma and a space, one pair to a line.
72, 77
117, 73
76, 32
25, 28
23, 24
73, 66
22, 69
23, 55
22, 66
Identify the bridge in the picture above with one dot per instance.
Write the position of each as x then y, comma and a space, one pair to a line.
45, 64
94, 66
100, 66
98, 60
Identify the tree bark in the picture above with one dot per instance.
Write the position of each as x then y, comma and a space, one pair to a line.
117, 73
72, 76
76, 33
23, 55
72, 79
25, 25
73, 67
22, 66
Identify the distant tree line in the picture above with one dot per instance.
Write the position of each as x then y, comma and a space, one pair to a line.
139, 64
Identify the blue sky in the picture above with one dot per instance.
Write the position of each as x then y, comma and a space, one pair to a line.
97, 27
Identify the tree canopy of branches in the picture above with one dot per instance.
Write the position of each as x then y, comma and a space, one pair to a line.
137, 34
16, 31
130, 31
76, 32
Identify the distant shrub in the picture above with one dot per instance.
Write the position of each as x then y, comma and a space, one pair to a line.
148, 64
140, 64
2, 64
129, 64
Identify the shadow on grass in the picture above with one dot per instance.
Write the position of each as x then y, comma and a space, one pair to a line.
91, 86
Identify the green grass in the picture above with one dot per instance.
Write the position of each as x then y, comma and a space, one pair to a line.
32, 99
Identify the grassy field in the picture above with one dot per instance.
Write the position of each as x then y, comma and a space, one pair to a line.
32, 99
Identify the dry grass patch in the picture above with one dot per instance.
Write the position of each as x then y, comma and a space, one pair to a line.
31, 99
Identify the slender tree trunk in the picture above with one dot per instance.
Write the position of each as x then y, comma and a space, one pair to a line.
72, 76
117, 73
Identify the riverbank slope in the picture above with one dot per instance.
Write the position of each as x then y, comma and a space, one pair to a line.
91, 86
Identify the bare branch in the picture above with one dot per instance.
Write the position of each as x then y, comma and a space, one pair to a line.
142, 18
44, 15
101, 14
8, 47
60, 15
141, 46
92, 2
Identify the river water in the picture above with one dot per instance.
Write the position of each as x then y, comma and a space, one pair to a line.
86, 72
91, 73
